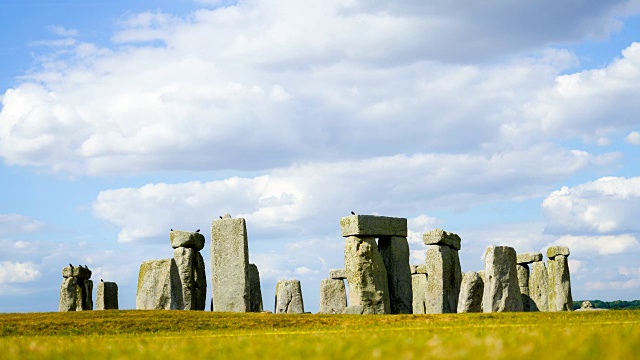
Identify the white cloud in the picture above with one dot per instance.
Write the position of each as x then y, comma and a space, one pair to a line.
633, 138
13, 224
608, 205
586, 246
62, 31
17, 272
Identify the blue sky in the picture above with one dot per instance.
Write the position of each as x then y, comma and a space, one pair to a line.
122, 120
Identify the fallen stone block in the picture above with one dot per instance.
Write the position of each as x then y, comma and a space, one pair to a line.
333, 296
528, 258
419, 290
338, 274
255, 289
159, 286
443, 280
441, 237
289, 297
366, 275
107, 296
187, 239
471, 291
501, 290
395, 255
373, 225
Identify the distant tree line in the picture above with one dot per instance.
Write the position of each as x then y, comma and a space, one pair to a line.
613, 305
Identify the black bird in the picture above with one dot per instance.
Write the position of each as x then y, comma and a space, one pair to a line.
171, 229
198, 230
71, 266
101, 280
220, 217
352, 213
86, 267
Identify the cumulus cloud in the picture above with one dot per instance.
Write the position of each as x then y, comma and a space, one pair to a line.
17, 272
13, 224
588, 246
633, 138
606, 206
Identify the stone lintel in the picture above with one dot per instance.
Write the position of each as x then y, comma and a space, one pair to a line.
441, 237
77, 272
373, 225
338, 274
554, 251
529, 257
418, 269
188, 239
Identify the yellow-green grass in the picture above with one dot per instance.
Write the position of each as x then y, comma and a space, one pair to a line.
203, 335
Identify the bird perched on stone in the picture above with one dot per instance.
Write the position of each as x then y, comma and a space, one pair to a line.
71, 265
171, 229
101, 280
198, 230
352, 213
220, 217
86, 267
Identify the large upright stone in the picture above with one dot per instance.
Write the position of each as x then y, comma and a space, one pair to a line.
441, 237
539, 287
471, 291
230, 265
333, 296
200, 280
443, 280
560, 298
373, 225
395, 255
501, 290
366, 275
256, 290
84, 295
185, 259
68, 294
289, 297
107, 296
419, 287
523, 283
188, 239
159, 286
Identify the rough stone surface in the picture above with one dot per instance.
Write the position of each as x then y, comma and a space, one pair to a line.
85, 290
554, 251
528, 258
501, 290
185, 259
333, 296
159, 286
538, 287
366, 275
77, 272
338, 274
230, 265
255, 290
200, 280
289, 297
188, 239
395, 255
523, 283
354, 310
107, 296
586, 305
471, 290
419, 286
441, 237
443, 280
419, 269
372, 225
68, 294
560, 298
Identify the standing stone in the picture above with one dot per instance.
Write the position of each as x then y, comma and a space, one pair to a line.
501, 290
560, 298
255, 290
289, 297
185, 259
367, 276
395, 255
333, 296
68, 294
471, 291
159, 286
87, 303
539, 287
200, 280
107, 296
443, 280
419, 286
230, 265
523, 284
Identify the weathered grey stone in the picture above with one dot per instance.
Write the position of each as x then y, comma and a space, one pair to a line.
481, 274
528, 258
159, 286
471, 290
185, 259
523, 283
354, 310
586, 305
289, 297
373, 225
366, 275
255, 289
333, 296
77, 272
338, 274
419, 288
68, 294
419, 269
441, 237
230, 265
395, 255
443, 280
84, 295
188, 239
501, 290
538, 287
554, 251
107, 296
560, 298
200, 280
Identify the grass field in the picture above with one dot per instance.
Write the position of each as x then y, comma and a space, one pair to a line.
204, 335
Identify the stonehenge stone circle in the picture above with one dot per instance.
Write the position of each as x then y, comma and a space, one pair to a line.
538, 287
230, 265
395, 255
289, 297
159, 286
333, 296
419, 285
76, 290
366, 274
501, 290
107, 296
560, 298
471, 291
444, 274
255, 290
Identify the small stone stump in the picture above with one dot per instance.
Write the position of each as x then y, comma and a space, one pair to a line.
289, 297
443, 267
471, 291
560, 298
501, 290
107, 296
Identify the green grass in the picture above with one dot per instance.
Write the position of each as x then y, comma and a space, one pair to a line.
202, 335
